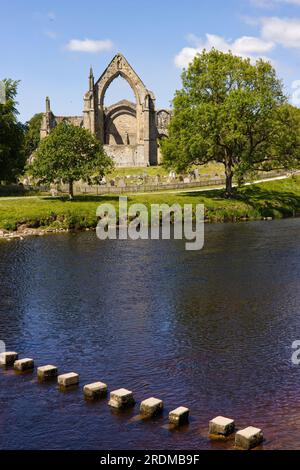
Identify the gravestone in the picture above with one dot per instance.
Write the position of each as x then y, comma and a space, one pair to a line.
121, 183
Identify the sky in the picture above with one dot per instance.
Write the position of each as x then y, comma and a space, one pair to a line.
49, 46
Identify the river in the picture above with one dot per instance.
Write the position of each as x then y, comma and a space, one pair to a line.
211, 330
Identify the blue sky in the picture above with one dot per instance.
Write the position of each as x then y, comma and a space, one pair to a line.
50, 45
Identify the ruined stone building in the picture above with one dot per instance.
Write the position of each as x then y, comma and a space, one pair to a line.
129, 131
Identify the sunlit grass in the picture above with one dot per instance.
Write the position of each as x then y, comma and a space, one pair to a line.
272, 199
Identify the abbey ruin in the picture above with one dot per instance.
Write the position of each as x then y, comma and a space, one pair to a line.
130, 132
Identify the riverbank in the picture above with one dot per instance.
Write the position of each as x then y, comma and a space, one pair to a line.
24, 216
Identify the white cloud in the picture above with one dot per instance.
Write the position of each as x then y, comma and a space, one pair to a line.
248, 45
274, 31
89, 45
283, 31
271, 3
245, 46
185, 56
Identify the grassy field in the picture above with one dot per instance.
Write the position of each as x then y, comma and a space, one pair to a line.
272, 199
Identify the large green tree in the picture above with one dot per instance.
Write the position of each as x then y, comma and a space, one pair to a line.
69, 154
234, 112
12, 157
290, 115
32, 134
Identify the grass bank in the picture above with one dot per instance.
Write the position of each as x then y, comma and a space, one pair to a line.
274, 199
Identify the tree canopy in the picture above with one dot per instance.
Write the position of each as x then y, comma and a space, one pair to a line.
233, 112
32, 134
69, 154
12, 157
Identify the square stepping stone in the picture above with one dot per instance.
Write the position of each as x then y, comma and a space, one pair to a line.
8, 358
179, 416
66, 380
24, 364
248, 438
151, 406
221, 425
95, 390
121, 398
47, 372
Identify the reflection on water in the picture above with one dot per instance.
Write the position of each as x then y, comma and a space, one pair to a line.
211, 330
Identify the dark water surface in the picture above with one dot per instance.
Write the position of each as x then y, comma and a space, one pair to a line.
211, 330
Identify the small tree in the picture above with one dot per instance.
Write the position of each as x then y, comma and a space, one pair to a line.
69, 154
12, 158
232, 112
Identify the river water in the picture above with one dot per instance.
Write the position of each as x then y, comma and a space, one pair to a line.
211, 330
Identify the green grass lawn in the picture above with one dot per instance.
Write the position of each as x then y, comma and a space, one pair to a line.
272, 199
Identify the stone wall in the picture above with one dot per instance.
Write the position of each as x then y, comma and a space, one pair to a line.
127, 155
75, 120
120, 124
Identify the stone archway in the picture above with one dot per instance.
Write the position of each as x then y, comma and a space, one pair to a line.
142, 151
160, 137
120, 124
163, 118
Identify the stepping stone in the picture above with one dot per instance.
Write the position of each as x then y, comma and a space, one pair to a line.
95, 390
121, 398
66, 380
248, 438
24, 364
8, 358
47, 372
221, 425
151, 407
179, 416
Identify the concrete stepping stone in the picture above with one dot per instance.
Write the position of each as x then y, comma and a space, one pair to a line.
67, 380
95, 390
179, 416
150, 407
121, 398
8, 358
249, 437
221, 426
24, 364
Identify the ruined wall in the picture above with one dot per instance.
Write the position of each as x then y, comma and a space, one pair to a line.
127, 155
120, 124
130, 132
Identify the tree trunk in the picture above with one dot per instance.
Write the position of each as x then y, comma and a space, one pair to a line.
229, 176
71, 190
